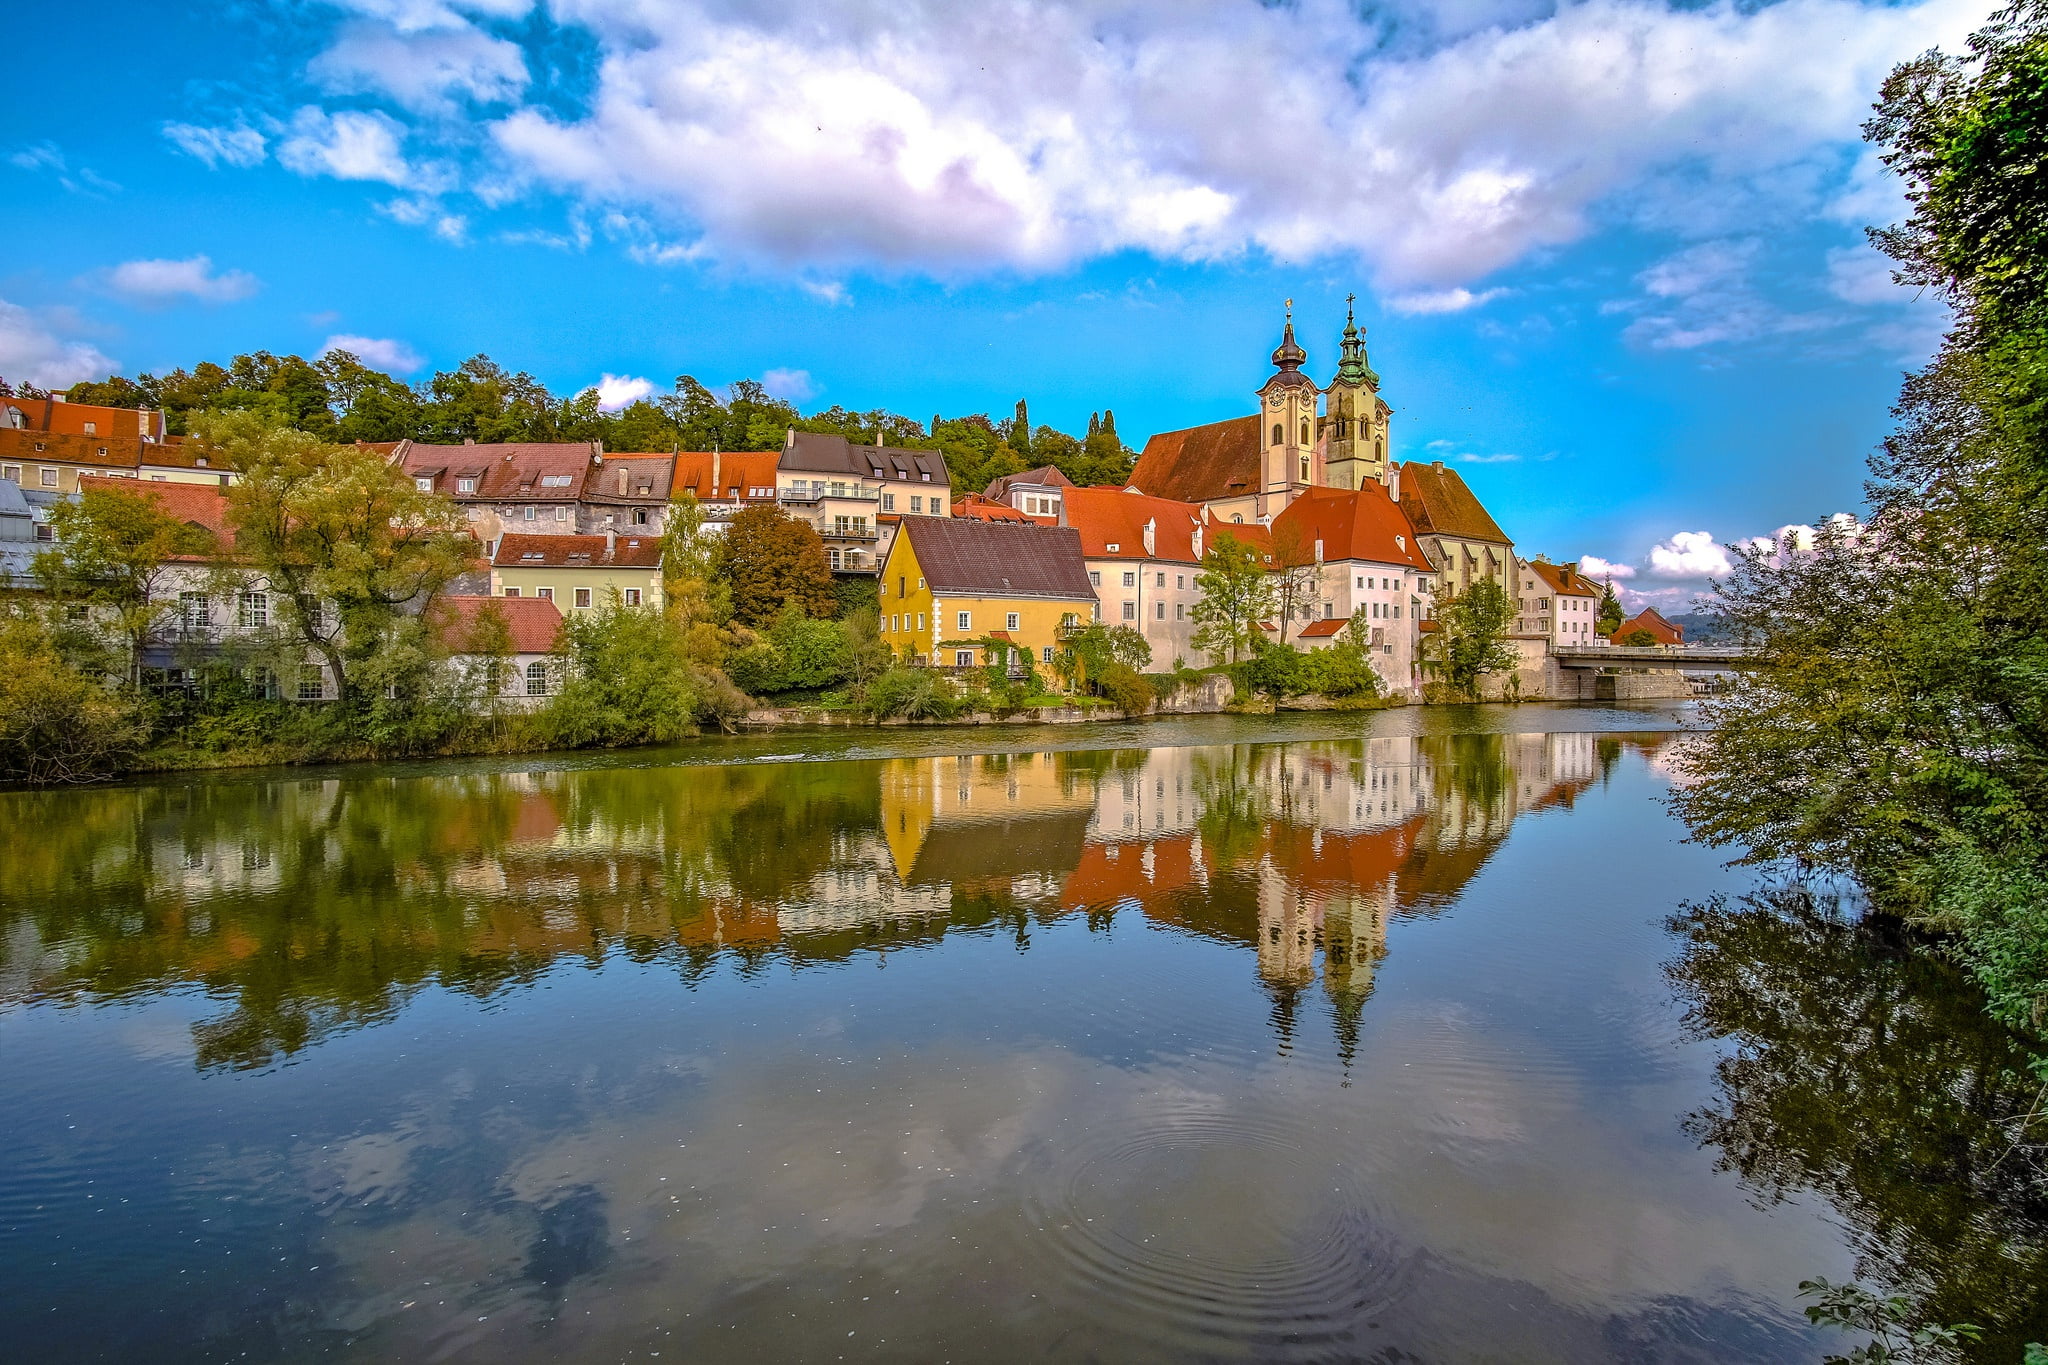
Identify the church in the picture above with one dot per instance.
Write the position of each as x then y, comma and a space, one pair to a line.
1248, 470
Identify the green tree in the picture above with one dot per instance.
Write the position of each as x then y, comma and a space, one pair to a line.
116, 551
353, 551
1236, 595
1020, 431
770, 560
628, 677
1297, 576
56, 723
1639, 638
1344, 668
1609, 615
1470, 639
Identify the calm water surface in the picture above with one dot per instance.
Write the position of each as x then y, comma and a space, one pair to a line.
1297, 1038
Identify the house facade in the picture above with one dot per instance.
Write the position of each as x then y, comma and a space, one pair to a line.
1558, 603
626, 493
1035, 492
949, 587
1459, 535
857, 495
1142, 555
578, 573
725, 483
525, 677
1366, 561
531, 488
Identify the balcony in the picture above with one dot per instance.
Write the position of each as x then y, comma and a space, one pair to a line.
849, 532
838, 492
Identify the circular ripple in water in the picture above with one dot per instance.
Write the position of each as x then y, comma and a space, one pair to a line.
1200, 1230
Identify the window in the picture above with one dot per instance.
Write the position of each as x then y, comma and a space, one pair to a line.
1130, 611
1304, 465
639, 515
465, 485
424, 485
832, 558
632, 597
888, 502
895, 623
920, 620
561, 514
195, 610
1279, 434
1011, 621
536, 679
255, 610
961, 621
45, 531
1180, 580
544, 594
1329, 610
926, 477
316, 618
963, 658
511, 592
49, 478
917, 504
526, 514
1130, 580
311, 685
1397, 611
93, 429
582, 597
1159, 610
10, 472
1045, 655
1305, 440
1180, 611
1095, 578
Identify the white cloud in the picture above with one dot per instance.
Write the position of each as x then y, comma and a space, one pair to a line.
236, 145
826, 291
427, 70
1593, 566
945, 138
43, 156
615, 391
1469, 458
1861, 274
163, 281
1443, 300
350, 145
31, 352
1690, 554
794, 385
411, 16
379, 353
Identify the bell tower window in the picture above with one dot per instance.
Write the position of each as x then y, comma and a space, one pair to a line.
1279, 434
1306, 439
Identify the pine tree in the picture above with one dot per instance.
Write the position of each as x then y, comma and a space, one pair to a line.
1020, 431
1094, 425
1610, 614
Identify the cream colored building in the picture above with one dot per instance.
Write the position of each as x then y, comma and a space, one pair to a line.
579, 573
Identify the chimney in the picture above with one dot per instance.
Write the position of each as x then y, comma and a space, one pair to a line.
789, 439
1394, 483
878, 438
1437, 465
714, 471
611, 542
1151, 537
1319, 549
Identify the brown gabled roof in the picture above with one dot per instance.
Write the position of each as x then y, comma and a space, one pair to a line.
1045, 476
1437, 502
518, 471
987, 509
630, 478
532, 622
54, 415
1258, 538
204, 505
817, 452
1316, 630
999, 558
56, 447
1652, 620
1201, 464
1564, 580
576, 552
1362, 524
741, 469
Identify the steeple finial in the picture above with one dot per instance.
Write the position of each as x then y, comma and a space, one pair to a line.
1351, 365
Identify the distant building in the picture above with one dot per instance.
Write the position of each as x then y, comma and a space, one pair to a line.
725, 483
578, 573
528, 487
987, 509
627, 493
1652, 620
856, 495
1035, 492
1559, 603
53, 415
948, 585
532, 625
1370, 563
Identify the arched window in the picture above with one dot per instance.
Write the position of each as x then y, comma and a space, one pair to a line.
536, 679
1306, 439
1279, 434
1379, 448
1238, 518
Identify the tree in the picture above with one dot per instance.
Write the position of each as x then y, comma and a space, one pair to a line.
1470, 639
1639, 638
56, 723
628, 678
1088, 652
1344, 668
1297, 575
1236, 595
1609, 614
770, 559
355, 553
116, 550
1020, 431
692, 586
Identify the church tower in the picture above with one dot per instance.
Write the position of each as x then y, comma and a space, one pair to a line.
1357, 448
1287, 427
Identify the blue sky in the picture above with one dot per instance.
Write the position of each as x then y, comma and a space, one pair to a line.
1609, 254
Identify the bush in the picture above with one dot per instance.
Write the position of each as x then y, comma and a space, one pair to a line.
1273, 668
913, 693
1126, 689
626, 679
57, 724
1343, 670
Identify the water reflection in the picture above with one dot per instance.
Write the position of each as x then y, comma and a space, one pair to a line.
313, 906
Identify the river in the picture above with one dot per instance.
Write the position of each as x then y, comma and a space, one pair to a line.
1408, 1036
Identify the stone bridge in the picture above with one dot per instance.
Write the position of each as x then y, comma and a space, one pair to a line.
1659, 658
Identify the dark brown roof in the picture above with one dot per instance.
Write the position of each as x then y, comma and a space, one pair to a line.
630, 478
1045, 476
999, 558
56, 447
577, 552
1201, 464
1438, 503
815, 452
512, 472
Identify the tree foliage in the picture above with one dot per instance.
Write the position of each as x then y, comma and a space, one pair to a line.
57, 723
1608, 615
1236, 595
1471, 638
115, 551
769, 561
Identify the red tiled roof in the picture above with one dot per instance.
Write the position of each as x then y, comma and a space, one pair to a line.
511, 472
1250, 533
999, 558
1354, 525
532, 622
1436, 501
1652, 620
741, 469
55, 447
1564, 579
1118, 517
577, 552
1201, 464
975, 505
1316, 630
51, 415
204, 505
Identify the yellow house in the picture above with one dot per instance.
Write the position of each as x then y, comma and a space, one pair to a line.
578, 573
951, 584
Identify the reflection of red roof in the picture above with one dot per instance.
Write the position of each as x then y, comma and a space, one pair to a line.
532, 622
577, 552
1316, 630
1343, 861
204, 505
1118, 518
1200, 464
1354, 525
1108, 874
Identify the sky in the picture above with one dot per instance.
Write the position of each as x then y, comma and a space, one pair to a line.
1610, 255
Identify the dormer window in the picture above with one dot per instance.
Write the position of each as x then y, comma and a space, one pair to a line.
534, 554
926, 477
465, 485
1113, 547
92, 429
424, 485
